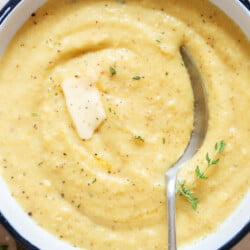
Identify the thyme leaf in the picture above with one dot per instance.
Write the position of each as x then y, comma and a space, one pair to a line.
186, 192
137, 77
138, 137
199, 174
219, 146
112, 70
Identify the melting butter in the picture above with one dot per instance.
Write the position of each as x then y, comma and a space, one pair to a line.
84, 105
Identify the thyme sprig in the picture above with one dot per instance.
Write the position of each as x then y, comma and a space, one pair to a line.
218, 148
186, 191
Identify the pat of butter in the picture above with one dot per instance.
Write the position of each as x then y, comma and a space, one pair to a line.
84, 104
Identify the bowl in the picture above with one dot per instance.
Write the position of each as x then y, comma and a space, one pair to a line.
12, 16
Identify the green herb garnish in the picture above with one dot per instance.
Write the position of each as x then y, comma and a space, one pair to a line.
112, 70
183, 190
218, 147
199, 174
137, 77
138, 137
163, 140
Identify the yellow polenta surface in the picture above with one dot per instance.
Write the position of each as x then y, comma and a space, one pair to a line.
109, 192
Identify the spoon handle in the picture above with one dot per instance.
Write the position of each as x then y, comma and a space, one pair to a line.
196, 139
170, 192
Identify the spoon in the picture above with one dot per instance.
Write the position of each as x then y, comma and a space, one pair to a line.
195, 141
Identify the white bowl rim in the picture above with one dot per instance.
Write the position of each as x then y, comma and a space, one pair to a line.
9, 13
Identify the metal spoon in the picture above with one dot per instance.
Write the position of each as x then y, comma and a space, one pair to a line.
195, 142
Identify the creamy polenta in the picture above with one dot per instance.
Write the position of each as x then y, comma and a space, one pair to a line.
108, 191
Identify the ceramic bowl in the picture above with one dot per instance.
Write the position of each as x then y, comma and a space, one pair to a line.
12, 16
